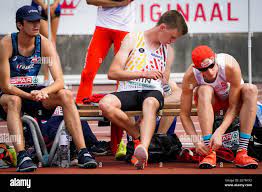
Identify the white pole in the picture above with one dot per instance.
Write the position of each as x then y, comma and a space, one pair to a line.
49, 20
49, 33
249, 47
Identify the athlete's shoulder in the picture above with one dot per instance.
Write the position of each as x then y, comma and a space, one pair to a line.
6, 40
46, 45
44, 39
230, 61
189, 72
189, 76
129, 40
6, 43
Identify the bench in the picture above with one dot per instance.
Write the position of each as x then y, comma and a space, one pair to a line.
169, 109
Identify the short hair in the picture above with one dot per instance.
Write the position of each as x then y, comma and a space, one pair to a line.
20, 21
174, 19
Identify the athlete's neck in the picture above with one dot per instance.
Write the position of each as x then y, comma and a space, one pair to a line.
26, 44
25, 40
151, 38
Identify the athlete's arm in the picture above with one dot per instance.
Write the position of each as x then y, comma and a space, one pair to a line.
116, 70
188, 85
5, 54
108, 3
233, 75
170, 60
186, 102
49, 52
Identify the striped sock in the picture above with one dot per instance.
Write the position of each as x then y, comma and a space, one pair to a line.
206, 139
243, 140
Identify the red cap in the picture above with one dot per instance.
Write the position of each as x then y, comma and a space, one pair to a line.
200, 53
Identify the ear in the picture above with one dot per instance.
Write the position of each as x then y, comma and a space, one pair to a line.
162, 27
19, 25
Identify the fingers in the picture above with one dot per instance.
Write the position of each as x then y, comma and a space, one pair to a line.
202, 149
155, 75
39, 95
215, 144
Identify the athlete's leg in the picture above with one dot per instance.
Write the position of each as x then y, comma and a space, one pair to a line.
204, 108
110, 106
248, 109
97, 51
166, 121
247, 117
64, 98
150, 107
12, 105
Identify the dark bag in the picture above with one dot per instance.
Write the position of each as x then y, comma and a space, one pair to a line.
230, 138
255, 144
162, 148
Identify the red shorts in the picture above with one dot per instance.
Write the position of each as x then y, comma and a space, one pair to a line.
218, 105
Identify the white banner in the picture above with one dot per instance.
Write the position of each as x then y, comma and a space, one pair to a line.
202, 16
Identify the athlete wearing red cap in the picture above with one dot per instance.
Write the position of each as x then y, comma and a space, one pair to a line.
216, 83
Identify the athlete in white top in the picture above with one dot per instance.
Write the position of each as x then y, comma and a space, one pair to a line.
118, 18
216, 83
140, 66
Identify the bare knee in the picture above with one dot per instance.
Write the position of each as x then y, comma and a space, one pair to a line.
150, 103
249, 92
14, 102
108, 103
65, 96
205, 93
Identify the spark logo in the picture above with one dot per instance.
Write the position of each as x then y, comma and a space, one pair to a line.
68, 7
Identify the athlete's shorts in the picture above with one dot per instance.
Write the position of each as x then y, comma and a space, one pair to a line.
133, 100
32, 108
43, 14
218, 105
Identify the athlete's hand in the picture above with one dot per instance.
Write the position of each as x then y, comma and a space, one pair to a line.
39, 95
216, 140
152, 75
201, 148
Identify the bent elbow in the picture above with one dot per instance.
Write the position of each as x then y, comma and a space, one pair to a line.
111, 76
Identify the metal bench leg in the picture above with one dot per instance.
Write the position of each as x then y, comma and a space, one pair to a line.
35, 138
40, 139
55, 143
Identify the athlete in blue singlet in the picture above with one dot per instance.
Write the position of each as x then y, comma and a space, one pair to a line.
21, 56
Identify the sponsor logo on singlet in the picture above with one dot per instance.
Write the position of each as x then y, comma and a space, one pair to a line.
141, 50
24, 81
157, 56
